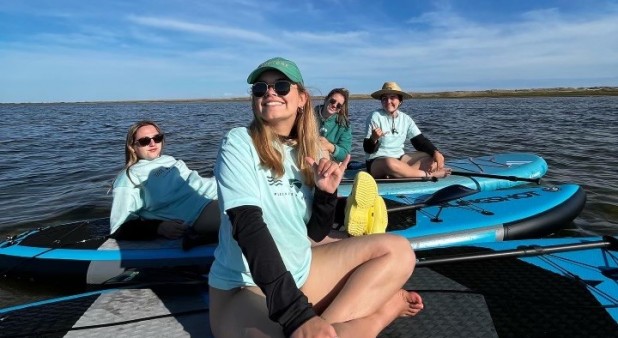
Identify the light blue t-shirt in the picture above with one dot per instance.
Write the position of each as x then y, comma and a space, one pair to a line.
285, 203
396, 131
163, 189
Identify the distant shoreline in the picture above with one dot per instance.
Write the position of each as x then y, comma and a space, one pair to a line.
536, 92
490, 93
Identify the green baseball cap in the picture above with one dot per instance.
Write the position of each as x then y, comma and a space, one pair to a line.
287, 67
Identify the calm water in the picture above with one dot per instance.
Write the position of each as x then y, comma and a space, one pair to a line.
58, 160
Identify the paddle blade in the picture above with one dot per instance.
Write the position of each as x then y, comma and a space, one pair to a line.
446, 194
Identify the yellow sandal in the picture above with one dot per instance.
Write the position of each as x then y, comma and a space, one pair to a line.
359, 205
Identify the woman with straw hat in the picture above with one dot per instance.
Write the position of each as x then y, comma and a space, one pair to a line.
387, 130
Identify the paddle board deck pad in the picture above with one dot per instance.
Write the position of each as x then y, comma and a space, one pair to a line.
521, 165
561, 294
81, 253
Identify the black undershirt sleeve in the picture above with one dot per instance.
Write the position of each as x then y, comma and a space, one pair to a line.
421, 143
322, 215
137, 229
286, 304
369, 146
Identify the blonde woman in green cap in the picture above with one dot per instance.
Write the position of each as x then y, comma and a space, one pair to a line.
387, 130
275, 193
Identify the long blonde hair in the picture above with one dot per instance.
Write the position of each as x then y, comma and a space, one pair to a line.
130, 157
305, 134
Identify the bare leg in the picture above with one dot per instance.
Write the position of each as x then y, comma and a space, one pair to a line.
241, 313
355, 277
410, 165
418, 160
402, 304
393, 167
333, 236
426, 163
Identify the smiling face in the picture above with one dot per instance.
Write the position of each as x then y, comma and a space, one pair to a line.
334, 103
153, 149
390, 102
278, 111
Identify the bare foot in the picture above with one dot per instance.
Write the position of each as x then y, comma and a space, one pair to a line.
441, 173
402, 304
413, 303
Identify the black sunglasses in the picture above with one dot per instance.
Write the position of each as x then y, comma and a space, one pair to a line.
281, 87
144, 141
333, 101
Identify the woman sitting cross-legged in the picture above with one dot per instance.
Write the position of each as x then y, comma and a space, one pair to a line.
275, 193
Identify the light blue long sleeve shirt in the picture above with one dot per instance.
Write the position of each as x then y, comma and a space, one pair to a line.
163, 189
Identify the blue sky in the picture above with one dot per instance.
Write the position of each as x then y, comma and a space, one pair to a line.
63, 50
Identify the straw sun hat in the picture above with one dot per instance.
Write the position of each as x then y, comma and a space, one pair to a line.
390, 88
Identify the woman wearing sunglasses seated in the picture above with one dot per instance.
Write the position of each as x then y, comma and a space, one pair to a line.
387, 130
276, 192
334, 124
157, 194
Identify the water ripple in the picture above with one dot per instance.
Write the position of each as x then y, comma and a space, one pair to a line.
59, 160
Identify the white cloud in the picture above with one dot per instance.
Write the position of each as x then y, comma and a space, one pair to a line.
219, 32
174, 53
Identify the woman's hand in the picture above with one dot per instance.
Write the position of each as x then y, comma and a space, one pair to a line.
325, 145
172, 229
376, 133
315, 327
438, 159
327, 173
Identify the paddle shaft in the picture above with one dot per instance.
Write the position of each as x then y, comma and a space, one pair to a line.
406, 207
500, 177
526, 251
397, 180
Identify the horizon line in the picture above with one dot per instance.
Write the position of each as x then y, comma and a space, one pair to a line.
488, 93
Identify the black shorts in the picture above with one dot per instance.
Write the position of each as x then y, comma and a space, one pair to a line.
368, 163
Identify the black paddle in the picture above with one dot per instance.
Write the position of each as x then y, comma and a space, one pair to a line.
444, 195
500, 177
523, 251
355, 165
397, 180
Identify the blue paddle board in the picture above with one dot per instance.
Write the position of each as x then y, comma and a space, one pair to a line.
82, 253
511, 166
559, 287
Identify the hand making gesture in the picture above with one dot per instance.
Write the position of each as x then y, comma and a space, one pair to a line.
376, 132
327, 173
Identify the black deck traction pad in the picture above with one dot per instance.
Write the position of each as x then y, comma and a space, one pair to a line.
71, 235
503, 297
50, 320
399, 220
490, 298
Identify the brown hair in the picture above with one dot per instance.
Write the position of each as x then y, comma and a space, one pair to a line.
343, 116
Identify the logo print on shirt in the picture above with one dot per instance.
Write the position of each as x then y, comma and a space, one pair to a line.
294, 182
274, 181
